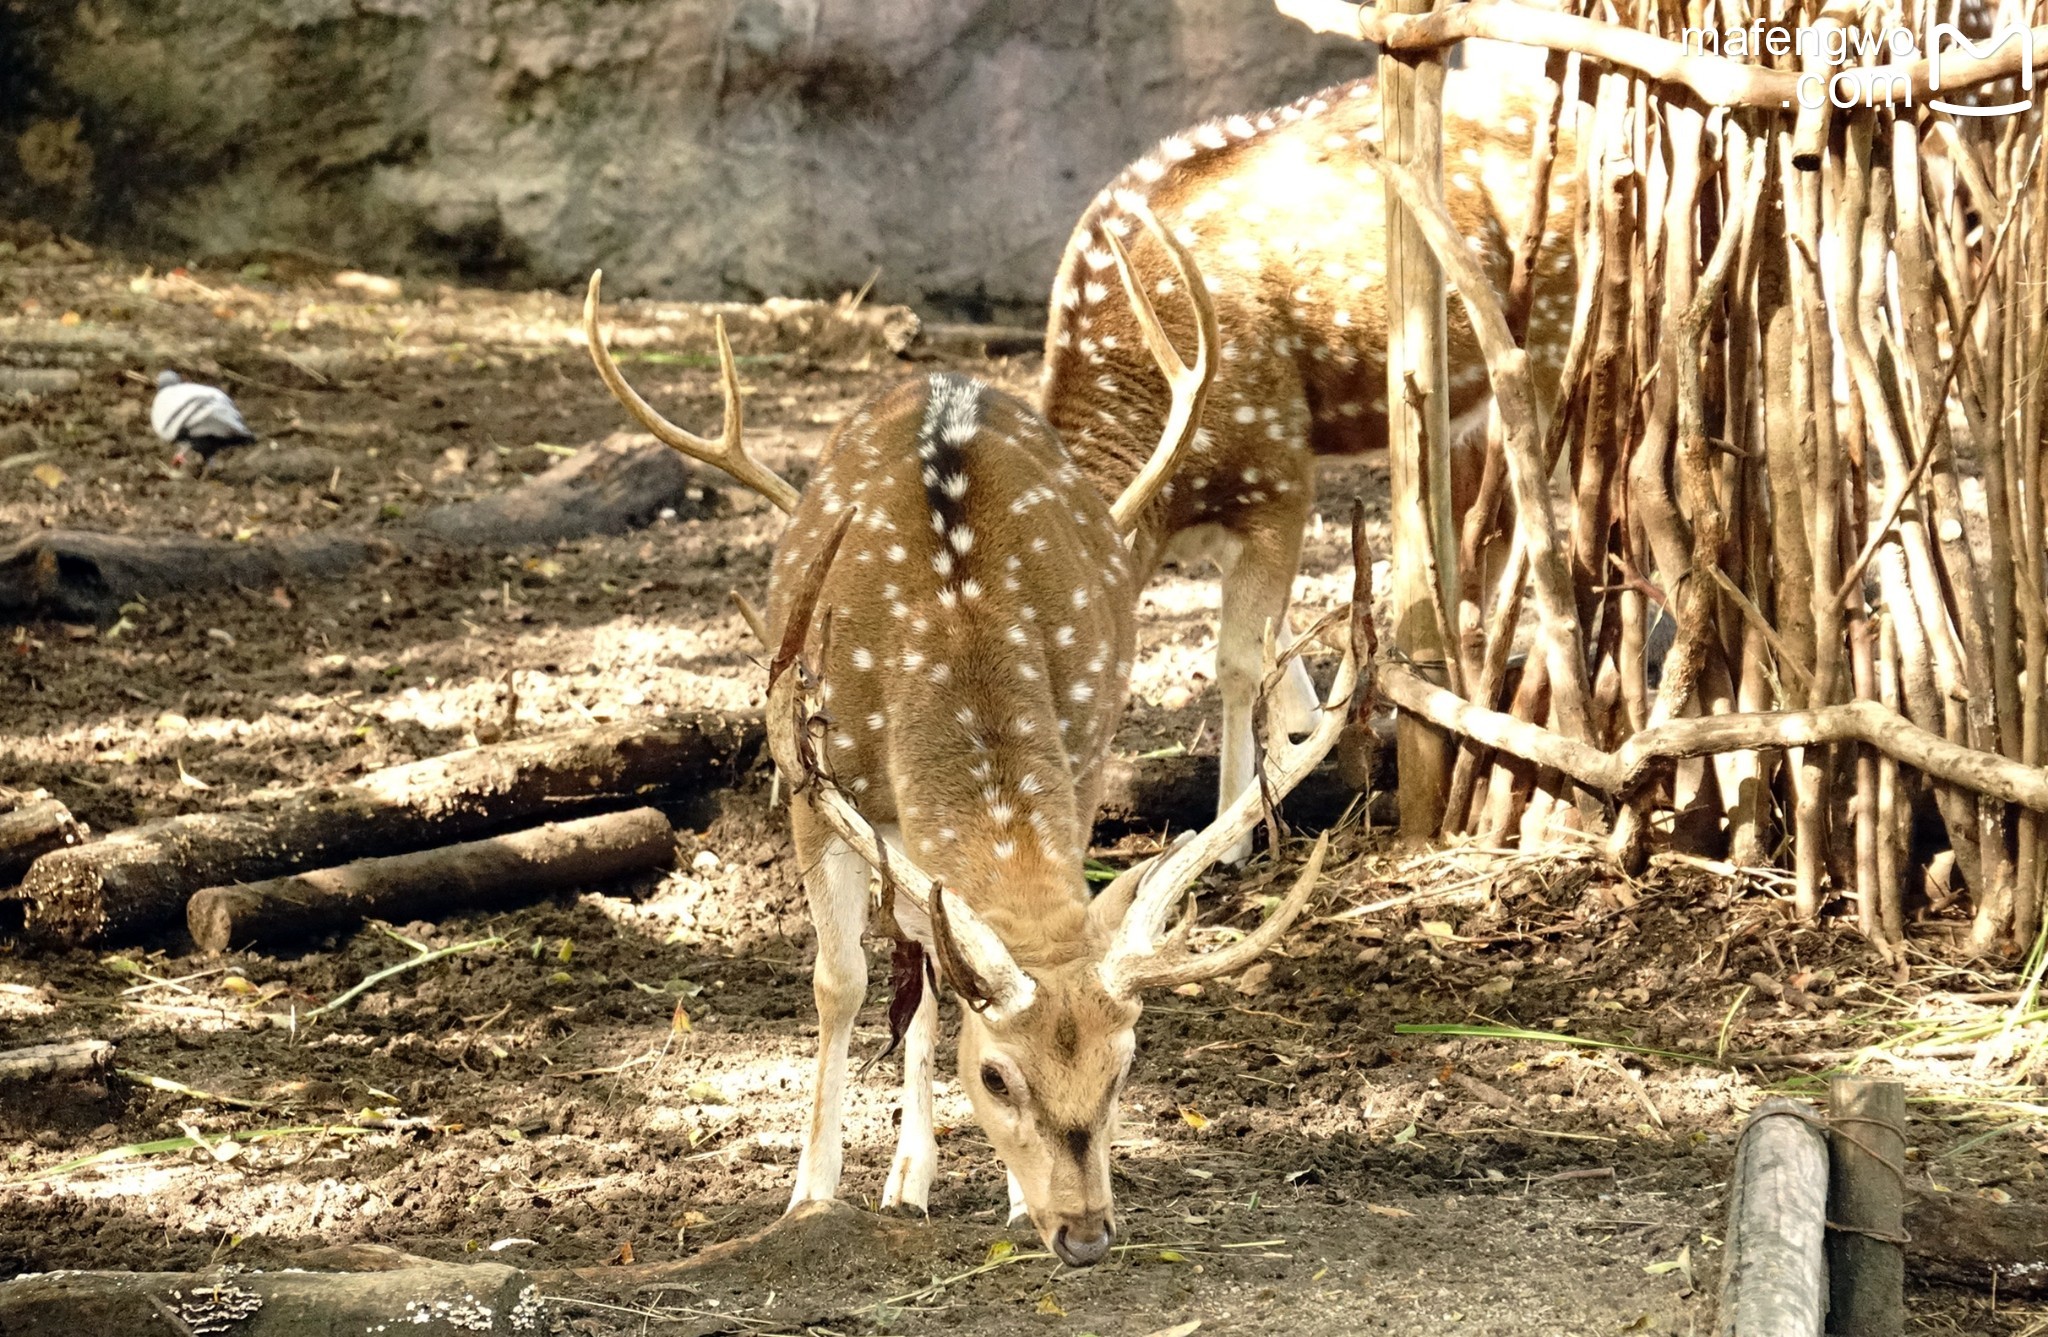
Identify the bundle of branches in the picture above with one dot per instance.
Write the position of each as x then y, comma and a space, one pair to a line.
1800, 416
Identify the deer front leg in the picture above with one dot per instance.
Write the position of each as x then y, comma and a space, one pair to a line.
917, 1148
838, 887
1258, 575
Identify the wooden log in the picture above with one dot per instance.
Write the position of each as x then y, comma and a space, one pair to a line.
1180, 792
1422, 542
68, 1058
1866, 1207
1969, 1241
1773, 1279
36, 826
138, 880
519, 865
439, 1301
79, 576
620, 484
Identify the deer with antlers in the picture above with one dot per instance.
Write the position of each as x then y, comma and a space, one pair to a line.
970, 598
1287, 224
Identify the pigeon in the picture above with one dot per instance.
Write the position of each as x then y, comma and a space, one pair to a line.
196, 418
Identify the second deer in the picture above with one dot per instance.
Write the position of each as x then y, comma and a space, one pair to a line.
974, 599
1287, 224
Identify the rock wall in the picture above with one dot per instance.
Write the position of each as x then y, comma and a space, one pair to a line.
694, 148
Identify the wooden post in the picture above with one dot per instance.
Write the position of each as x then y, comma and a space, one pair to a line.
1418, 415
1866, 1207
1773, 1281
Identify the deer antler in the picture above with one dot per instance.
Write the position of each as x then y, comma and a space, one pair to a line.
1170, 962
1189, 384
1142, 955
728, 452
1137, 958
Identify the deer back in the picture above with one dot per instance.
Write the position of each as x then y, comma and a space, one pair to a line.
978, 638
1287, 223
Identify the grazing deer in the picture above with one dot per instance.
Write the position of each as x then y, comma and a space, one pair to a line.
1286, 224
976, 644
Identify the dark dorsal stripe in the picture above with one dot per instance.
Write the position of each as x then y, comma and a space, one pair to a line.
952, 415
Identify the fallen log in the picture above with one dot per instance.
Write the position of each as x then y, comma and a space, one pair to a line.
1970, 1241
438, 1301
1180, 792
617, 485
1774, 1271
66, 1058
558, 856
620, 484
79, 576
138, 880
37, 825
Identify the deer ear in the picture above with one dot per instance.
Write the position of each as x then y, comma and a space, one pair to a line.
974, 963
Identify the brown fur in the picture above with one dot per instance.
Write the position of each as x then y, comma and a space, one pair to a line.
953, 698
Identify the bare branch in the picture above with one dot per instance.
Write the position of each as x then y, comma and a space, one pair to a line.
1624, 771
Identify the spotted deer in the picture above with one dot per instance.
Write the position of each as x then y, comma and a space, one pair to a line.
1285, 221
975, 638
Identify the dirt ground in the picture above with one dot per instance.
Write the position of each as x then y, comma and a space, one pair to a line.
622, 1077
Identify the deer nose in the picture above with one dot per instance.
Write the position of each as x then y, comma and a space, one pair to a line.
1084, 1247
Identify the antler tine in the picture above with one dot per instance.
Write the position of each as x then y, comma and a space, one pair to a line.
1136, 959
729, 452
1172, 964
1188, 384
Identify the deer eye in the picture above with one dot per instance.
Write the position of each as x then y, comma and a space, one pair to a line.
992, 1081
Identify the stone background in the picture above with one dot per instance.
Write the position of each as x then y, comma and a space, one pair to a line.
694, 148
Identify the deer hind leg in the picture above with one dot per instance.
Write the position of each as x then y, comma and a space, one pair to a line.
837, 881
917, 1144
1258, 576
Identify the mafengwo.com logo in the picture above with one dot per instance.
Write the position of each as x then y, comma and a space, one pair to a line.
1868, 66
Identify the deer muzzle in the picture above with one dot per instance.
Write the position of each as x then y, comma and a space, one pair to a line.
1083, 1242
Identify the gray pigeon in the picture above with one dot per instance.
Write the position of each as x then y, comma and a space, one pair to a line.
196, 418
